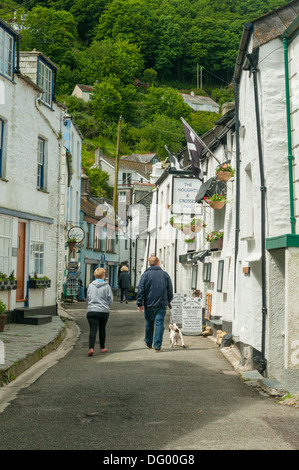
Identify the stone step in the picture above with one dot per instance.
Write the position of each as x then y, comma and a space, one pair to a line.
35, 320
32, 315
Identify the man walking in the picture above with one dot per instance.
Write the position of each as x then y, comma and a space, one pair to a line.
154, 294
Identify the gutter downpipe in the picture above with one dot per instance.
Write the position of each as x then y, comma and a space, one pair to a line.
236, 80
290, 155
237, 214
253, 59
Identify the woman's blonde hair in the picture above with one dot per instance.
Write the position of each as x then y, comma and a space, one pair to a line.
99, 273
124, 268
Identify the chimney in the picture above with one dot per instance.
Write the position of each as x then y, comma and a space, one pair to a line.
97, 155
84, 183
226, 107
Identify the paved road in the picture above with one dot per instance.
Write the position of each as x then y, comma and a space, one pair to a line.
132, 398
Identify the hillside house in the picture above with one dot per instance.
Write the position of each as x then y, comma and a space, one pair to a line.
200, 103
83, 92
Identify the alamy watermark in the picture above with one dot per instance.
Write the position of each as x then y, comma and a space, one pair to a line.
135, 222
2, 92
2, 353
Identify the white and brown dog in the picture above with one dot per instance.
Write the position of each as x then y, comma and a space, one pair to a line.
175, 335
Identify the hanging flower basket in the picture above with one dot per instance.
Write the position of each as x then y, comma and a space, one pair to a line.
225, 172
217, 205
197, 225
217, 201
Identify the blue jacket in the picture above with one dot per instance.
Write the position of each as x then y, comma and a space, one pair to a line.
155, 288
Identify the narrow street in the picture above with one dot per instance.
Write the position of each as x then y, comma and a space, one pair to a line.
132, 398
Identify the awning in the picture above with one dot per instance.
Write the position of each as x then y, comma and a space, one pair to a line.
200, 256
210, 187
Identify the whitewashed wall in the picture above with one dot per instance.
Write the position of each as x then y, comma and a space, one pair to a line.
26, 120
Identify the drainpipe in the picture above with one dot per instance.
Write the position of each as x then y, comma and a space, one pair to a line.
237, 214
253, 59
290, 155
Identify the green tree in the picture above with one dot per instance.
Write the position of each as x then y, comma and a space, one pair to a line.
166, 101
52, 32
160, 131
110, 99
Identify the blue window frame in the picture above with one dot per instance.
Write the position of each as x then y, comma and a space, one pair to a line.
41, 163
45, 81
7, 54
1, 146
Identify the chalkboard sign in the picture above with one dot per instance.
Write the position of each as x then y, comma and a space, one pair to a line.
191, 316
176, 309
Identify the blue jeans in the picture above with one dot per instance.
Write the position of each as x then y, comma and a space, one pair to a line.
154, 326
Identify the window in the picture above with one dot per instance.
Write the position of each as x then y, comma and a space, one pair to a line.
194, 276
6, 53
127, 179
5, 244
37, 249
41, 163
1, 147
45, 82
220, 275
207, 272
122, 196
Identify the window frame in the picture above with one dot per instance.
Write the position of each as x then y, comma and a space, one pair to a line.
7, 57
41, 163
207, 272
7, 238
43, 81
33, 251
1, 146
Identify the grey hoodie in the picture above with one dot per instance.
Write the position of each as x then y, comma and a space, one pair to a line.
99, 297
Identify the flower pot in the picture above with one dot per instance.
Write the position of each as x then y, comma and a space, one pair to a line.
223, 175
217, 205
2, 322
216, 245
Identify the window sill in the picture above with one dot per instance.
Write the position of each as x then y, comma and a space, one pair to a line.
3, 179
43, 191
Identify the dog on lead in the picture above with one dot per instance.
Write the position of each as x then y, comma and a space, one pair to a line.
175, 335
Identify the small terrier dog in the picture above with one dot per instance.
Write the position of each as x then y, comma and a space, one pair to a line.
175, 335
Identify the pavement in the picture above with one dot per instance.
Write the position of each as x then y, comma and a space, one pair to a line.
22, 346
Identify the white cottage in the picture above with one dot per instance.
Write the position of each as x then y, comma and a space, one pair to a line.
30, 178
267, 97
249, 283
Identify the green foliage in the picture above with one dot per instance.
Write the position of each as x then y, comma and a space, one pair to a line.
110, 44
49, 31
2, 307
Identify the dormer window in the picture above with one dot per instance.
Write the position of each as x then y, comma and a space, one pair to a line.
45, 81
6, 53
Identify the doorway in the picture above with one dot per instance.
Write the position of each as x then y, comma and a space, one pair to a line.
21, 261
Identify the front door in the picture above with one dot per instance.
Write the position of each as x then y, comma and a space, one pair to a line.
21, 261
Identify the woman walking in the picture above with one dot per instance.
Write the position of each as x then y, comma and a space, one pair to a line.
99, 297
124, 281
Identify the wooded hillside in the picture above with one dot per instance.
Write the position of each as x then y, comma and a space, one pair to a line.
113, 43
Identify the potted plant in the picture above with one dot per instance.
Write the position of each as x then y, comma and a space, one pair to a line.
8, 282
224, 172
217, 201
39, 282
71, 243
215, 239
3, 315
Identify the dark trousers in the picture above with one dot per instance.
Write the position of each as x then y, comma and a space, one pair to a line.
122, 292
97, 322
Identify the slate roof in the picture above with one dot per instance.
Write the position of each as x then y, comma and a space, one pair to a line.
144, 169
